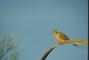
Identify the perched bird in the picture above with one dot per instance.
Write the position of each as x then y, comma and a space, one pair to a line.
60, 37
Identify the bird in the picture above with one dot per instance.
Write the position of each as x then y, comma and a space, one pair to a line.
60, 37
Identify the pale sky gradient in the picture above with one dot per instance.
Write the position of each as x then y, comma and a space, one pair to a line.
37, 19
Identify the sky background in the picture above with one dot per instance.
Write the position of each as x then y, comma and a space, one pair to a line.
37, 18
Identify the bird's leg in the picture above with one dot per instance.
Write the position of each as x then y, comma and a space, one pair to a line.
61, 42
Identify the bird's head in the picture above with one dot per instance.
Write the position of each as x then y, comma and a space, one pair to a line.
55, 31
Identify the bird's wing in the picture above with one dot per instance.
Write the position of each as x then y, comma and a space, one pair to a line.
63, 36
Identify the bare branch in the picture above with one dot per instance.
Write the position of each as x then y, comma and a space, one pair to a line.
48, 51
74, 41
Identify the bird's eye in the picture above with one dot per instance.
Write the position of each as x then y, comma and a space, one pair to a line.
56, 32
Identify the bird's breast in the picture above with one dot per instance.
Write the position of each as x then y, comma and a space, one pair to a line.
57, 36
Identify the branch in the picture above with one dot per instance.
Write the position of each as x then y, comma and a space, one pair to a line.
48, 51
4, 53
74, 41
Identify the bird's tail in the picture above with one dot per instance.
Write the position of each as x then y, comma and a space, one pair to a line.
76, 45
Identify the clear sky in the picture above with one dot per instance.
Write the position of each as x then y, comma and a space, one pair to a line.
37, 19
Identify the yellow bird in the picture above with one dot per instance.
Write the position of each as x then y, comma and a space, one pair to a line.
60, 37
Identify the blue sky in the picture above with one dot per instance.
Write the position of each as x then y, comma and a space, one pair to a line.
37, 19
